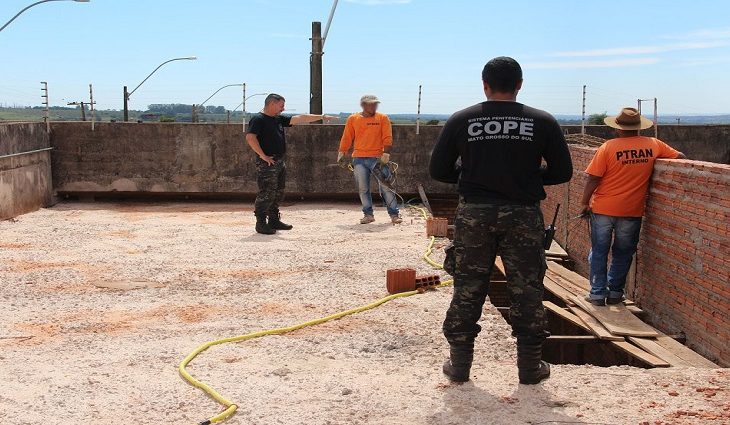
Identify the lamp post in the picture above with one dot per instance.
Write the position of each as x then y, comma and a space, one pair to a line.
35, 4
244, 105
127, 95
215, 93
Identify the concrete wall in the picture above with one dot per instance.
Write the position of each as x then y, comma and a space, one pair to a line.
25, 180
709, 143
682, 273
214, 159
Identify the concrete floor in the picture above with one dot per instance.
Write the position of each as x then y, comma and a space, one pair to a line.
100, 302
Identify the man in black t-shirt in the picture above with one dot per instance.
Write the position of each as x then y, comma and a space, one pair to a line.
266, 138
494, 151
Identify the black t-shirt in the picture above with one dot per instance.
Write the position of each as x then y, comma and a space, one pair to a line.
270, 132
501, 146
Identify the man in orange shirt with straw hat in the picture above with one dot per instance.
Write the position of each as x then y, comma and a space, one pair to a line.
615, 196
372, 136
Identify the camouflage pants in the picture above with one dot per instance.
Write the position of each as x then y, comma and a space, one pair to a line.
271, 180
483, 231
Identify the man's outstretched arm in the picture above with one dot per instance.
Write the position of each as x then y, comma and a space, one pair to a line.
307, 118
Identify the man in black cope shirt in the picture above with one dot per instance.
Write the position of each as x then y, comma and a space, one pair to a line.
494, 151
266, 138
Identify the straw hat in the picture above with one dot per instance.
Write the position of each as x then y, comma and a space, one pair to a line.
628, 119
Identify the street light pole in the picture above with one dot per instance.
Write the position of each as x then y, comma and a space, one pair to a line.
35, 4
127, 95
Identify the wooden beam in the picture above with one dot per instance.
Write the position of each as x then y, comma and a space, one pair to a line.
640, 354
565, 315
617, 319
424, 199
685, 353
559, 291
595, 326
651, 346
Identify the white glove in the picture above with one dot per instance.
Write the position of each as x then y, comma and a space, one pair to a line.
340, 155
385, 158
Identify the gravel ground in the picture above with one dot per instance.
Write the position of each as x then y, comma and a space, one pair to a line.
100, 302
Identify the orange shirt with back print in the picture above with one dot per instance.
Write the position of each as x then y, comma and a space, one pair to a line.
370, 135
625, 166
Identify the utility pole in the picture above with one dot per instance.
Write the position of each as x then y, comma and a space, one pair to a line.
91, 103
583, 114
46, 111
656, 115
418, 116
315, 66
126, 105
243, 111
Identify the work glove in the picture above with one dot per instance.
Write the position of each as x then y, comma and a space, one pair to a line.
385, 158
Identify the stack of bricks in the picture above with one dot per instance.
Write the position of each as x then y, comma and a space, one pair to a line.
682, 278
405, 280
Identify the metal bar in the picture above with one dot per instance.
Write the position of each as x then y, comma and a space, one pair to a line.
25, 153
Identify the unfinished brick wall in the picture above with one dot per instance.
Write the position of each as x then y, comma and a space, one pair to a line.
682, 274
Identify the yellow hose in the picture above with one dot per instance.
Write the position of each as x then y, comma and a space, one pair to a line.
230, 407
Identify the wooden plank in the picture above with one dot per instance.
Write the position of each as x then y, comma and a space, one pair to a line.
651, 346
558, 291
424, 199
565, 314
617, 319
595, 326
556, 251
573, 277
634, 309
567, 285
685, 353
499, 265
573, 339
640, 354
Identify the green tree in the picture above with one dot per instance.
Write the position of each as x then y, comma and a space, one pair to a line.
596, 119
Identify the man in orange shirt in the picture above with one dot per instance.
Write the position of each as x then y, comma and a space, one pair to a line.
372, 136
618, 182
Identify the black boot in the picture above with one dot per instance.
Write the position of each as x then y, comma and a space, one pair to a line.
459, 364
262, 227
532, 369
276, 223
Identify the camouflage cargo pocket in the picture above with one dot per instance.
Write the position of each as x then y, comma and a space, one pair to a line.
450, 260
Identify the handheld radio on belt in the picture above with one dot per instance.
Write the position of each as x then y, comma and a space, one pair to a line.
550, 231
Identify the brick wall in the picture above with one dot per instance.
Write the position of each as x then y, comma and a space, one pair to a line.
682, 273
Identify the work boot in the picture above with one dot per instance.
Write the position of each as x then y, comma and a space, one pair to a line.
598, 302
457, 367
262, 227
276, 224
367, 219
396, 219
531, 368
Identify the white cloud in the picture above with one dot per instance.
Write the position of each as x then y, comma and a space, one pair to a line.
610, 63
702, 34
378, 2
640, 50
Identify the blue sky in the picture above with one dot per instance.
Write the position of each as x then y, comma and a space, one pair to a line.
677, 51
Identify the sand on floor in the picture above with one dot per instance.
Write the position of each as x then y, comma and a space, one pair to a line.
101, 301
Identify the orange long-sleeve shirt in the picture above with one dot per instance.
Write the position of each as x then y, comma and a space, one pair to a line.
369, 135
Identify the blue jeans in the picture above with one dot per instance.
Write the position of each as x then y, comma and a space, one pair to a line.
610, 282
363, 168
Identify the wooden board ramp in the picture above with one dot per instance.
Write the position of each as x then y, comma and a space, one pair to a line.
616, 325
595, 326
617, 319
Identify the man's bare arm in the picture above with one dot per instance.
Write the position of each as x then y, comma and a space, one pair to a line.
306, 118
590, 187
253, 142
